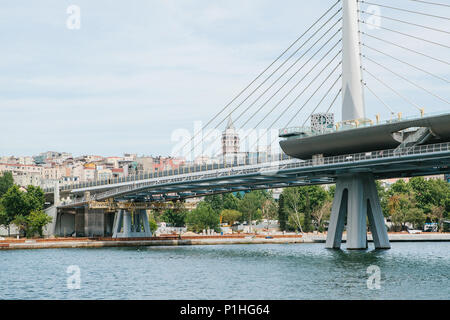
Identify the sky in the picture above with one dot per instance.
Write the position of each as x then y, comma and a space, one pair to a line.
137, 71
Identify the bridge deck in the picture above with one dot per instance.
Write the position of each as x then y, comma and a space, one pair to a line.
423, 160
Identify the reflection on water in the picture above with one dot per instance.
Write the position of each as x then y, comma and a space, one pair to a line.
288, 271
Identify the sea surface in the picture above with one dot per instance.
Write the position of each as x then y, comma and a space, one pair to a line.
416, 270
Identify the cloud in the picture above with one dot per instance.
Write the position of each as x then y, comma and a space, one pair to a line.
137, 71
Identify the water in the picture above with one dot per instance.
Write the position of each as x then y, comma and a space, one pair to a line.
288, 271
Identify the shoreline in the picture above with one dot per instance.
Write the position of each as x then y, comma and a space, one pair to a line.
13, 244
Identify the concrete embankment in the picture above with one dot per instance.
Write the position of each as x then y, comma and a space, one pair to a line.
196, 240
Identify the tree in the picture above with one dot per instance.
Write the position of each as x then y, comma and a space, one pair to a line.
282, 213
37, 220
175, 216
152, 223
219, 202
18, 205
215, 201
400, 186
322, 213
402, 208
6, 182
383, 195
300, 202
269, 209
430, 193
251, 204
416, 217
230, 216
230, 201
203, 217
293, 208
15, 203
438, 215
34, 198
4, 219
12, 204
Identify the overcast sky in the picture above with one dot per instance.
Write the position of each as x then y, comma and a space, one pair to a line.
138, 70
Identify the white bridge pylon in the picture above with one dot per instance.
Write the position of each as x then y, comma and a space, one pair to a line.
356, 196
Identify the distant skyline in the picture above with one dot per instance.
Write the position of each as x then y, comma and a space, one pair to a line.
136, 71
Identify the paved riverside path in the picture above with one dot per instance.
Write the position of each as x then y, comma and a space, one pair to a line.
199, 240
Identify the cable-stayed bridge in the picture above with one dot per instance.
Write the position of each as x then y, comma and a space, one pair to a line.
347, 53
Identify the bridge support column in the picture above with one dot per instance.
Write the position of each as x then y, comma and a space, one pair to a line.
94, 222
131, 225
355, 197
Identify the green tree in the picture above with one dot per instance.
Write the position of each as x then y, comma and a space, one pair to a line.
403, 209
34, 198
4, 219
6, 182
322, 213
416, 217
203, 217
251, 205
175, 216
269, 209
400, 186
18, 205
230, 201
282, 213
230, 216
293, 208
301, 202
430, 193
438, 215
36, 221
215, 201
152, 223
12, 204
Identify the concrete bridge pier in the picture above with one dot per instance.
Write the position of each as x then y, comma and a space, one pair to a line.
131, 224
355, 198
97, 223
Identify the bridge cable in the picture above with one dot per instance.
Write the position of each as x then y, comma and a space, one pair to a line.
415, 67
405, 34
405, 48
307, 87
334, 100
407, 80
298, 111
432, 3
304, 105
298, 96
404, 22
332, 72
404, 10
284, 85
392, 89
298, 83
378, 98
320, 102
263, 72
239, 105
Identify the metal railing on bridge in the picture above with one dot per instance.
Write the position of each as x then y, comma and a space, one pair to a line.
270, 168
185, 169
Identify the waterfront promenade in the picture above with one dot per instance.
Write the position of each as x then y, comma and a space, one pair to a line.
11, 244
